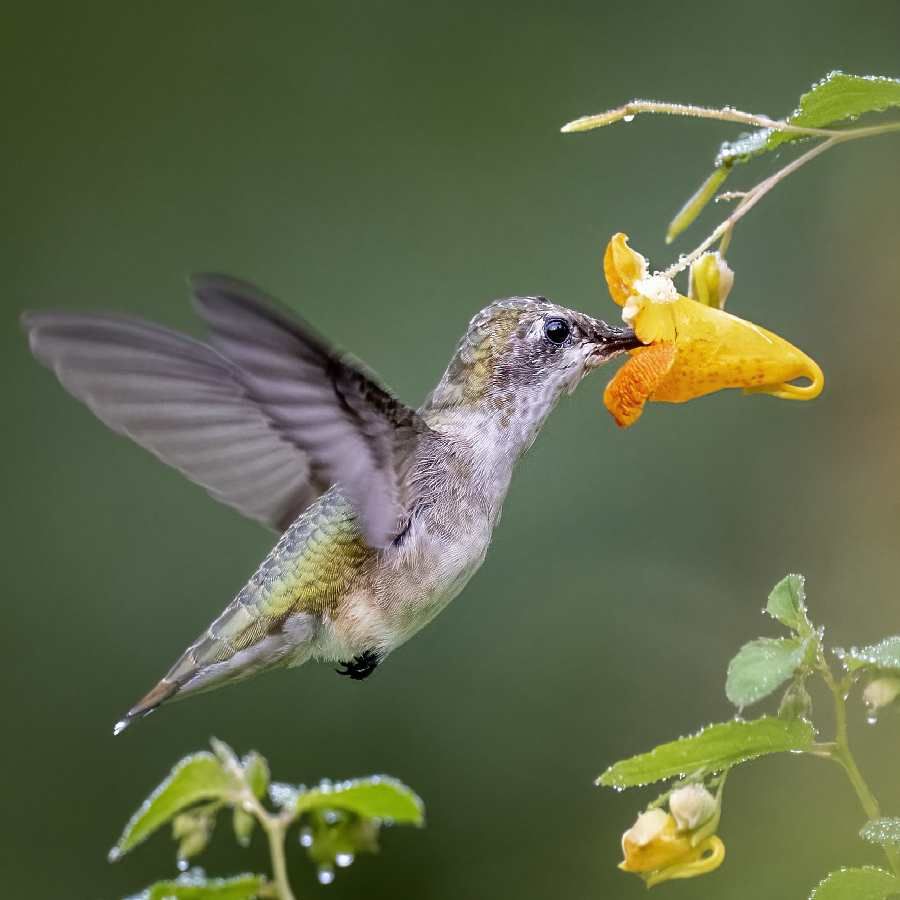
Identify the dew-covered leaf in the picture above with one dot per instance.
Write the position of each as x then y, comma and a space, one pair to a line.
866, 883
196, 887
834, 99
714, 748
883, 656
787, 604
761, 667
378, 797
885, 832
200, 776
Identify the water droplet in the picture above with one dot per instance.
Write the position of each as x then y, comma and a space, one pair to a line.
325, 874
872, 719
120, 726
344, 859
330, 816
183, 864
306, 837
629, 118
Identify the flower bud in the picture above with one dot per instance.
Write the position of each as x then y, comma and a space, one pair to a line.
691, 806
881, 692
711, 279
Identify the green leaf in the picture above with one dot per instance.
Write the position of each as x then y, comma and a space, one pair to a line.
884, 832
835, 98
243, 823
867, 883
197, 777
787, 604
192, 887
761, 667
378, 797
711, 750
884, 656
256, 771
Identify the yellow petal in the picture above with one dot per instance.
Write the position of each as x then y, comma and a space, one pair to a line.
664, 849
622, 267
717, 350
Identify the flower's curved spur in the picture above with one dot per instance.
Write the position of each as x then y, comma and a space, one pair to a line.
693, 347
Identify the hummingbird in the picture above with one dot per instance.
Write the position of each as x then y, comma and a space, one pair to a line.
384, 512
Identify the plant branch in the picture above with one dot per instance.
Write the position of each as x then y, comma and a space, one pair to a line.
753, 196
275, 832
275, 825
726, 114
840, 752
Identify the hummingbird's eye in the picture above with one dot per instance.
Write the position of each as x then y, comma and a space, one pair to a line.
556, 331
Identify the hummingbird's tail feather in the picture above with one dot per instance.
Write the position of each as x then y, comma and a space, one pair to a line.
213, 660
163, 691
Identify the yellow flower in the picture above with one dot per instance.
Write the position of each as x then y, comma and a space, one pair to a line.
655, 849
693, 346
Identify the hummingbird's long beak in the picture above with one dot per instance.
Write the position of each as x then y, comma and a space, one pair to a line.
610, 341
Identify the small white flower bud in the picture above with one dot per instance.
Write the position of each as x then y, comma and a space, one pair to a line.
691, 806
881, 692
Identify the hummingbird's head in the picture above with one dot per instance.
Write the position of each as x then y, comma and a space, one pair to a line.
519, 355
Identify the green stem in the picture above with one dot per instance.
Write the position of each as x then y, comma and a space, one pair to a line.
275, 826
725, 228
754, 195
275, 832
843, 756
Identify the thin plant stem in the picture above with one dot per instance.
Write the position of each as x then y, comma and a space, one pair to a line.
725, 114
841, 753
754, 195
275, 825
275, 832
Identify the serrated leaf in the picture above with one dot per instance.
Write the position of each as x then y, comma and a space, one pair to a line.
883, 656
378, 797
192, 887
884, 832
866, 883
834, 99
197, 777
714, 748
787, 604
761, 667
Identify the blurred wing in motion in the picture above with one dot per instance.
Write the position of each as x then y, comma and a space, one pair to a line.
182, 401
265, 422
354, 432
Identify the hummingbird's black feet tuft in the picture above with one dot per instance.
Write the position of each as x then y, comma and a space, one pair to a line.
361, 666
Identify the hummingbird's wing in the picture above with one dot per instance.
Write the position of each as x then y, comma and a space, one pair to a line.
184, 402
354, 432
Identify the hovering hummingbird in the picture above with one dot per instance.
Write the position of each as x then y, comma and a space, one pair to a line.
384, 512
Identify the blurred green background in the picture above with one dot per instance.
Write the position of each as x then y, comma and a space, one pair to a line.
387, 169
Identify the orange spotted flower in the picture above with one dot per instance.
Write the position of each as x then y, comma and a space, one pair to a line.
693, 347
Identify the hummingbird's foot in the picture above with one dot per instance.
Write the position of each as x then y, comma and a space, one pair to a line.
361, 666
